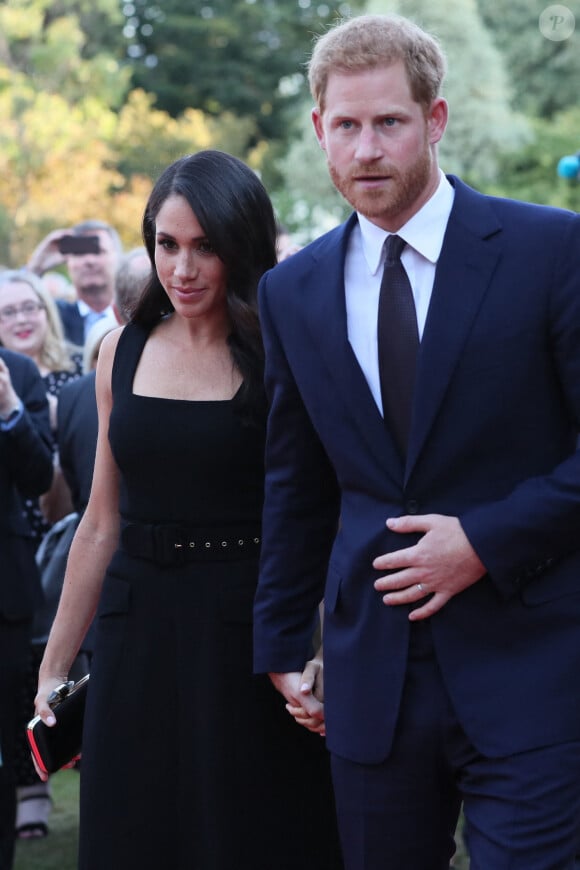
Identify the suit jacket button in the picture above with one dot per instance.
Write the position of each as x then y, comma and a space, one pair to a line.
412, 506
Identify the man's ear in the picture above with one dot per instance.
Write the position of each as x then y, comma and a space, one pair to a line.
437, 118
318, 127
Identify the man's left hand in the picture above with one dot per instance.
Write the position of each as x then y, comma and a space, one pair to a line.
440, 565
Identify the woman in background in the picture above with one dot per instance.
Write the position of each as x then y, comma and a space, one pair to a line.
190, 762
30, 324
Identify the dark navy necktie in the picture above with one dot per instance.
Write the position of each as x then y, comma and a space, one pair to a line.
398, 343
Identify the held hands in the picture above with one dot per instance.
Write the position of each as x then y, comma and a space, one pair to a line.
441, 564
304, 694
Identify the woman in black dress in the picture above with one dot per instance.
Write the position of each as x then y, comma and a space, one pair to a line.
189, 761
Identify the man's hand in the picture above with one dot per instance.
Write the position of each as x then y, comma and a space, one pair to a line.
302, 691
441, 564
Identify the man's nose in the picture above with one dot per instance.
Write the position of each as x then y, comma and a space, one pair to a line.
368, 145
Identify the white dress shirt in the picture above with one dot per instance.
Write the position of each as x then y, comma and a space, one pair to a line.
363, 272
90, 316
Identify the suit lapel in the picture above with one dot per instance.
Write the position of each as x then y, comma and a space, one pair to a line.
329, 331
464, 271
465, 268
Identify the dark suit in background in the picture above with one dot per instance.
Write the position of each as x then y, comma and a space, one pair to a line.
77, 437
25, 470
72, 322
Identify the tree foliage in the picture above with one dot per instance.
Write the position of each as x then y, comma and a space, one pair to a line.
544, 73
97, 96
241, 56
75, 143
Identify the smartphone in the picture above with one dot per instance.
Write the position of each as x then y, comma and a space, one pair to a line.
79, 245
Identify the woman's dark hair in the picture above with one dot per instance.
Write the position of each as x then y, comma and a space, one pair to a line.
234, 209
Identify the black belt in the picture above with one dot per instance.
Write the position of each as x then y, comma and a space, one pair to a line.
174, 544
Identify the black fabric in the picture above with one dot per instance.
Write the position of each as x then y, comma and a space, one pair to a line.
173, 544
398, 342
189, 761
78, 426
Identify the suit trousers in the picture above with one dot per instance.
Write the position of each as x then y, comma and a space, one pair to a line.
14, 648
521, 812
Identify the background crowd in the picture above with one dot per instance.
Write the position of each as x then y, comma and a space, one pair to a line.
55, 312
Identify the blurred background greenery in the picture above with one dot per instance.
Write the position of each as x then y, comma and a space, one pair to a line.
97, 96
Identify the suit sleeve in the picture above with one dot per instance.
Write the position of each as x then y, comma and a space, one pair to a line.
300, 519
27, 446
520, 537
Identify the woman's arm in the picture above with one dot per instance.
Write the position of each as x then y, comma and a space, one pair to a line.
92, 548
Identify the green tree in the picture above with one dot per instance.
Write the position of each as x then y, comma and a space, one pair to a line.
55, 45
242, 56
531, 173
74, 143
544, 73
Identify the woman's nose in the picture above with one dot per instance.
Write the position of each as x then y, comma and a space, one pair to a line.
185, 264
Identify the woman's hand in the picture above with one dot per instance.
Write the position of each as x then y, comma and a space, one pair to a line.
48, 690
311, 686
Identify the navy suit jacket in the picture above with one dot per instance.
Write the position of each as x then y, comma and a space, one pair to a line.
73, 323
78, 426
493, 441
25, 470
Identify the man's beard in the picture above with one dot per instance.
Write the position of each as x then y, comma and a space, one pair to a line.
401, 191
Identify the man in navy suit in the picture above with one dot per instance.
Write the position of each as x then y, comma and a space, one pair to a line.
449, 561
25, 470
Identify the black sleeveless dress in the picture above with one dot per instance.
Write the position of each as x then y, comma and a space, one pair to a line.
189, 761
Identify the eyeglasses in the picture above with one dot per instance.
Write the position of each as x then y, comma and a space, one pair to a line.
11, 312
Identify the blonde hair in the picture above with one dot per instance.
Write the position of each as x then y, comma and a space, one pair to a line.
373, 41
55, 353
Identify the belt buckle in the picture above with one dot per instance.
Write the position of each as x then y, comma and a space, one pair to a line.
169, 544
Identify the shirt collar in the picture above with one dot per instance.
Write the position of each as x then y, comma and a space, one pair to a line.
85, 310
424, 231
